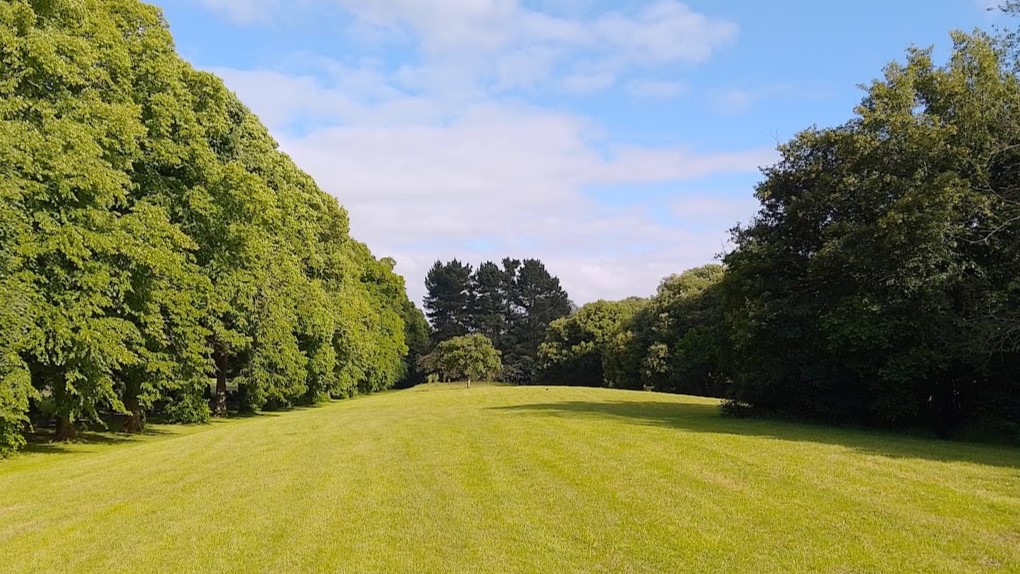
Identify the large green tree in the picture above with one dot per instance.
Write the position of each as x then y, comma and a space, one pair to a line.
102, 262
152, 235
881, 270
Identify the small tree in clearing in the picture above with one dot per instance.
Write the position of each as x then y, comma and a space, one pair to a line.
469, 357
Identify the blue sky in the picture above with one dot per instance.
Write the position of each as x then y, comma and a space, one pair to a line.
616, 141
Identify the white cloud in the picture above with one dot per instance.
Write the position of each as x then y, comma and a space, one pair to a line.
438, 157
357, 97
497, 41
505, 175
586, 83
503, 45
733, 101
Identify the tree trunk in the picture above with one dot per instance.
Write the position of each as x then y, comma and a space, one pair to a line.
469, 382
66, 431
220, 397
136, 422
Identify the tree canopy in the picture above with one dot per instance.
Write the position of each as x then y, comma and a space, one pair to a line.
468, 357
877, 284
583, 349
153, 236
885, 253
511, 304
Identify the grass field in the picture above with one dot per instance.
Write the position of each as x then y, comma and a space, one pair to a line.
508, 479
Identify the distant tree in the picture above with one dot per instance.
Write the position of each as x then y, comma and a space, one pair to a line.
535, 299
688, 347
511, 305
677, 341
416, 335
489, 302
469, 357
578, 349
448, 299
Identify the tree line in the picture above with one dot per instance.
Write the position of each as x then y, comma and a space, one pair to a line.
157, 249
879, 282
672, 342
511, 304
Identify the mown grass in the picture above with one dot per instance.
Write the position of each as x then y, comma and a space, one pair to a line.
506, 479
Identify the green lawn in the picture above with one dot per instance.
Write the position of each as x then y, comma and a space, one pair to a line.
510, 479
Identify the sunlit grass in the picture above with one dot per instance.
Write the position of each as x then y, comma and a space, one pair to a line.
509, 479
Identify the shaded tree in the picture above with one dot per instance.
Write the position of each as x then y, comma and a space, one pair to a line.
689, 347
579, 349
880, 249
536, 299
448, 299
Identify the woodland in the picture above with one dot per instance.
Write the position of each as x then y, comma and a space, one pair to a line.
878, 284
161, 257
156, 244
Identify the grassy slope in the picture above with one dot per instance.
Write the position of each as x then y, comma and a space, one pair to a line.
499, 479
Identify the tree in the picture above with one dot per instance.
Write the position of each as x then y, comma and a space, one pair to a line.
100, 260
884, 253
578, 349
416, 334
448, 299
15, 379
540, 300
469, 357
535, 299
512, 306
152, 235
688, 349
489, 302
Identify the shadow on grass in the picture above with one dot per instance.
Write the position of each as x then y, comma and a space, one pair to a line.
705, 418
43, 441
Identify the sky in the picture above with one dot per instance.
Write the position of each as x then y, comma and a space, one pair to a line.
617, 141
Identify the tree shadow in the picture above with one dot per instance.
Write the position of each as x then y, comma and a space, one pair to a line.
44, 441
706, 418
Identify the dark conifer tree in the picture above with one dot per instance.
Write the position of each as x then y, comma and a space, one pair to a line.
448, 299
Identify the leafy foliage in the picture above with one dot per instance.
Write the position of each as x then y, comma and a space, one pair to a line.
152, 234
885, 254
582, 349
468, 357
689, 349
676, 341
512, 305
